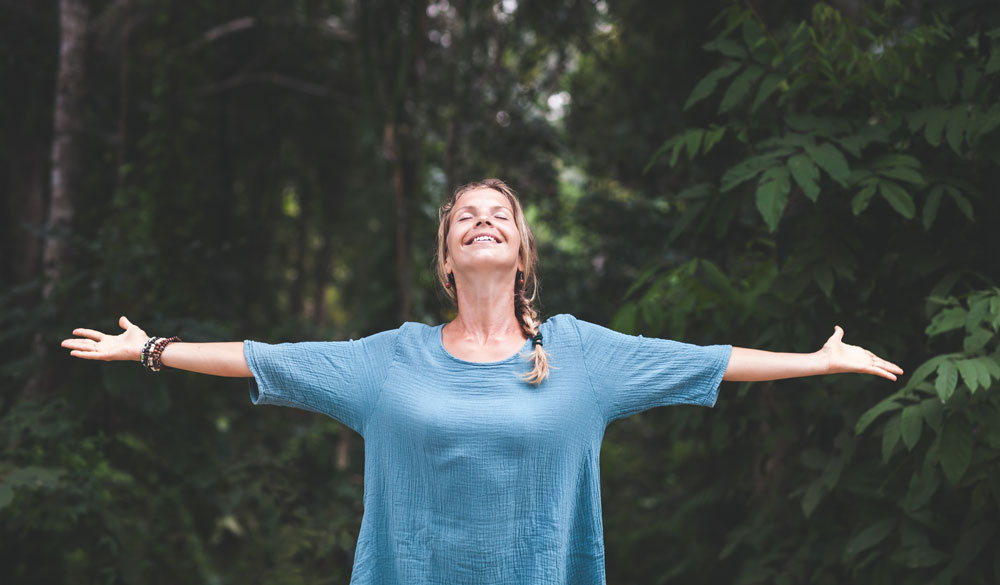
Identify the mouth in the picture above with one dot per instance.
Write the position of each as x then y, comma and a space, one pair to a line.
483, 239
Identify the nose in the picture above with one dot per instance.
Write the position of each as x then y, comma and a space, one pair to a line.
483, 219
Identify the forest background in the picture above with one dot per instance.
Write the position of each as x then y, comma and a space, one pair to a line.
749, 173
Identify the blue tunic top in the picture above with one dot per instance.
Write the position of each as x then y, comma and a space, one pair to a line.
472, 475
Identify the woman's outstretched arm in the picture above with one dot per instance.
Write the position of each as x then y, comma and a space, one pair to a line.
216, 359
835, 357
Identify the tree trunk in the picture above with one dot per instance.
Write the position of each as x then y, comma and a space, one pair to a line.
65, 172
24, 217
64, 175
392, 148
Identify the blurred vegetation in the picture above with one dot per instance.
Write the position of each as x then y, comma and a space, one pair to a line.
748, 173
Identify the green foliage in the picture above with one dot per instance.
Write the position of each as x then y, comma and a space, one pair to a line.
855, 159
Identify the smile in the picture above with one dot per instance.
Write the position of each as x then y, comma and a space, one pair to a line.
484, 238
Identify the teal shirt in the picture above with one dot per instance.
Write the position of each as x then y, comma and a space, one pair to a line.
472, 475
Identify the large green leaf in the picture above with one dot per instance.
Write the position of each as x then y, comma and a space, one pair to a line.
970, 373
937, 118
854, 143
863, 197
923, 371
707, 85
739, 88
898, 198
956, 448
692, 141
932, 410
890, 438
956, 129
947, 319
869, 416
870, 536
767, 86
911, 421
772, 195
907, 174
806, 174
750, 168
962, 203
977, 340
814, 493
830, 160
712, 136
727, 47
947, 379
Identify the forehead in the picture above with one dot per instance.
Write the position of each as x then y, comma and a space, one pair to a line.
482, 197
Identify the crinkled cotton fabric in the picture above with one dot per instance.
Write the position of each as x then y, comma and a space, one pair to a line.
472, 475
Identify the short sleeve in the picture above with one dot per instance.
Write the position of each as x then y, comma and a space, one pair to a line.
631, 374
340, 379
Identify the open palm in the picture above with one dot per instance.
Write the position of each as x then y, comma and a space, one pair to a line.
846, 358
94, 345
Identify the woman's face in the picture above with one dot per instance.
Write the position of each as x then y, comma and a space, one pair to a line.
483, 234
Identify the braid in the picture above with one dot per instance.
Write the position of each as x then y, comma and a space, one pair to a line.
528, 319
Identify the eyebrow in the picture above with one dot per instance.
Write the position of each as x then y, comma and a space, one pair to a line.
473, 207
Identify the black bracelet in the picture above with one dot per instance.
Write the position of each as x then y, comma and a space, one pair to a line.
146, 351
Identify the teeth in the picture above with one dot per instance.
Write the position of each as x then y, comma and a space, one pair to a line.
484, 239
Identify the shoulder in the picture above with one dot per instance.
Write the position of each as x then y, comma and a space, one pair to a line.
565, 328
559, 325
565, 323
413, 329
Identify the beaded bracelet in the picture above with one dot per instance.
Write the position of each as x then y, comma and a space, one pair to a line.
153, 351
146, 349
156, 365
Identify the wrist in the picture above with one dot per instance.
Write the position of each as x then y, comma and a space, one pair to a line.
136, 352
823, 361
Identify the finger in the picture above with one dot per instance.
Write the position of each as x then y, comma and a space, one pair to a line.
124, 323
88, 333
882, 373
890, 367
77, 344
81, 344
87, 355
887, 365
838, 333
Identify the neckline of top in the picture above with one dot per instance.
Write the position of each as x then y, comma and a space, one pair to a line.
439, 335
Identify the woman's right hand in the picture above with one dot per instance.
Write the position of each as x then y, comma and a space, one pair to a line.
94, 345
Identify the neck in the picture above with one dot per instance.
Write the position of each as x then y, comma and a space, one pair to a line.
486, 311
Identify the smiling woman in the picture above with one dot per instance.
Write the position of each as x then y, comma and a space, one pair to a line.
483, 235
481, 460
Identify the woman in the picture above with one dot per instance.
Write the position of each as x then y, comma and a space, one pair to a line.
482, 435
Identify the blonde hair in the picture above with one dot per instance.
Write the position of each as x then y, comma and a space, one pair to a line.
525, 294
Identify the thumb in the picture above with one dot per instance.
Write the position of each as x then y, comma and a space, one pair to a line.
124, 323
838, 333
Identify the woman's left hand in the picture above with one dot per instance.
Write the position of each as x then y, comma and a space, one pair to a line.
844, 358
